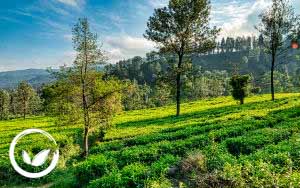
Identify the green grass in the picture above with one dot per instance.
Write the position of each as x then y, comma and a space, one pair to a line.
254, 145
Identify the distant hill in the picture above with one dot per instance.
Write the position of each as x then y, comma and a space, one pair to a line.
36, 77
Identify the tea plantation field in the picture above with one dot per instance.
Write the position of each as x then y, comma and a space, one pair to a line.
214, 143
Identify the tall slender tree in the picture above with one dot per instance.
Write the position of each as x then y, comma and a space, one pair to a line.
261, 41
98, 97
182, 28
223, 45
276, 25
88, 56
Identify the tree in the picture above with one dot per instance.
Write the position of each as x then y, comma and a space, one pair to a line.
4, 104
27, 99
223, 45
261, 41
136, 96
240, 87
254, 42
57, 96
162, 93
13, 102
98, 98
182, 28
238, 44
276, 24
229, 44
249, 43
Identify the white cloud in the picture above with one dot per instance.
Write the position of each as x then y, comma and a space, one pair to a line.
10, 64
158, 3
68, 37
296, 5
237, 19
67, 58
123, 47
73, 3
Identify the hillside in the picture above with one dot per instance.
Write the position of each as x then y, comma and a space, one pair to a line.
214, 142
36, 77
252, 62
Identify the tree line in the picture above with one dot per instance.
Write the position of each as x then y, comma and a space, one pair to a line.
19, 102
237, 44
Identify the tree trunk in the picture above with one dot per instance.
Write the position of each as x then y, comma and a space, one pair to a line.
2, 111
178, 85
86, 127
242, 101
24, 110
84, 101
272, 77
86, 141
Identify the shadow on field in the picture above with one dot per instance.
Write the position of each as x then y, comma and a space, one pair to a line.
210, 113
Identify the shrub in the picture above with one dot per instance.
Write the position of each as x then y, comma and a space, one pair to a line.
113, 179
240, 88
255, 140
161, 167
195, 162
93, 168
195, 173
159, 183
134, 175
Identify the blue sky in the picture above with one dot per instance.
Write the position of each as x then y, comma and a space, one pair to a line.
37, 33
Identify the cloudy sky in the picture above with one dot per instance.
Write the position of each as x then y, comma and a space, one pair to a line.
37, 33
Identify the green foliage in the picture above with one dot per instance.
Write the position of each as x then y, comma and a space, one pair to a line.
251, 145
84, 77
188, 23
57, 100
205, 84
136, 97
278, 24
182, 28
282, 82
130, 176
27, 100
161, 166
114, 179
240, 87
251, 142
4, 104
134, 175
95, 166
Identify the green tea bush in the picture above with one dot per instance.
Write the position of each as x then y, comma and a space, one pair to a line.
146, 147
93, 168
132, 175
160, 167
159, 183
7, 173
113, 179
255, 140
140, 153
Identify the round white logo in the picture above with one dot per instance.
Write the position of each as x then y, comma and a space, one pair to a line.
38, 160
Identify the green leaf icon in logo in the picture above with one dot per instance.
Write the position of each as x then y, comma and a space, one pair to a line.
37, 160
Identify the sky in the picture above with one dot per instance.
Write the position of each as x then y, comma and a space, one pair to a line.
37, 33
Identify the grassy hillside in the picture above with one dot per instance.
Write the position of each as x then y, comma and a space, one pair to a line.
254, 145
